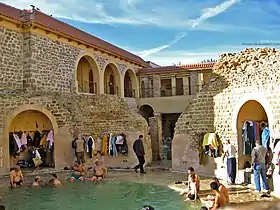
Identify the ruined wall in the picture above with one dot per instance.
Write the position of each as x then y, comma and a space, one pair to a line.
252, 74
11, 66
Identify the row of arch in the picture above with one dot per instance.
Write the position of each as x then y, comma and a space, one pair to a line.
90, 79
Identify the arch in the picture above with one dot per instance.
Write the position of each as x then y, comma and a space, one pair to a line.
261, 99
86, 68
146, 111
17, 111
130, 84
251, 110
112, 80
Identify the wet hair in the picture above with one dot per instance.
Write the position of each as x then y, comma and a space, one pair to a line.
203, 208
37, 179
140, 136
193, 176
258, 142
215, 179
190, 169
214, 186
147, 208
54, 175
2, 207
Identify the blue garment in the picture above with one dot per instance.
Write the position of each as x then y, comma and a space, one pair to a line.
265, 137
260, 172
255, 131
114, 148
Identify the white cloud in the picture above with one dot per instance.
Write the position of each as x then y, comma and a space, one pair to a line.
146, 53
169, 57
214, 11
131, 12
208, 13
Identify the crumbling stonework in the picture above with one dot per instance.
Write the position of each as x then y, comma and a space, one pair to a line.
252, 74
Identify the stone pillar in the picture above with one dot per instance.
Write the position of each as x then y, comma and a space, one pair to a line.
156, 136
173, 85
101, 83
156, 86
186, 85
121, 88
194, 78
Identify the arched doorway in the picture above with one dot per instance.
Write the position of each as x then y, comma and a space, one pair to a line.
31, 130
87, 75
249, 118
146, 111
111, 80
130, 84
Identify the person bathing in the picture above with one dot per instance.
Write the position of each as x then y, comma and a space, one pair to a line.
100, 171
16, 177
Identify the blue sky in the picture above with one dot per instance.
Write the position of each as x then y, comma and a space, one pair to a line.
170, 31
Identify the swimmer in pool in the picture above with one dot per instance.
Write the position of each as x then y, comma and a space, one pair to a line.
36, 182
79, 172
16, 177
55, 181
100, 171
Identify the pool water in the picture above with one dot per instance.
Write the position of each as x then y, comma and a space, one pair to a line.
107, 195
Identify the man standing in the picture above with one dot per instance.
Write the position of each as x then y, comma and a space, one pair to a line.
258, 162
138, 148
80, 150
230, 153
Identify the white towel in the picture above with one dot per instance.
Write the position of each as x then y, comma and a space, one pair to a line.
37, 154
18, 141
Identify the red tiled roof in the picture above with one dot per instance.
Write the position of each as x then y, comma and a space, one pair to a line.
61, 27
10, 12
172, 69
162, 69
199, 65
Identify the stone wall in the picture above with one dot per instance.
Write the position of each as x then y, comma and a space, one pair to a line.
76, 114
51, 64
11, 65
252, 74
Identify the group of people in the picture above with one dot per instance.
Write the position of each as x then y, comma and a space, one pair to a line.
17, 180
221, 194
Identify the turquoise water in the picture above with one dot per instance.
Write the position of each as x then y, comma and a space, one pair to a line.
107, 195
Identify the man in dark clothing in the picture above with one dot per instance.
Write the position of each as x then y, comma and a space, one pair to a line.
138, 148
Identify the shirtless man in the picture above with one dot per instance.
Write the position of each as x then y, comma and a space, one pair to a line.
220, 199
100, 171
16, 177
78, 173
36, 182
55, 181
197, 181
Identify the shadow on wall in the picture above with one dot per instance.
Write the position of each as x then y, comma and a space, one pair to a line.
146, 111
191, 126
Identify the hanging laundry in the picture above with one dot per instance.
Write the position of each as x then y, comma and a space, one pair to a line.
29, 140
91, 146
105, 144
124, 147
248, 137
50, 138
211, 144
18, 141
13, 147
265, 137
114, 148
110, 144
119, 140
23, 139
99, 144
36, 139
43, 141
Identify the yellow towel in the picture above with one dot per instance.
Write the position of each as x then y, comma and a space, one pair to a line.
210, 138
43, 141
105, 144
